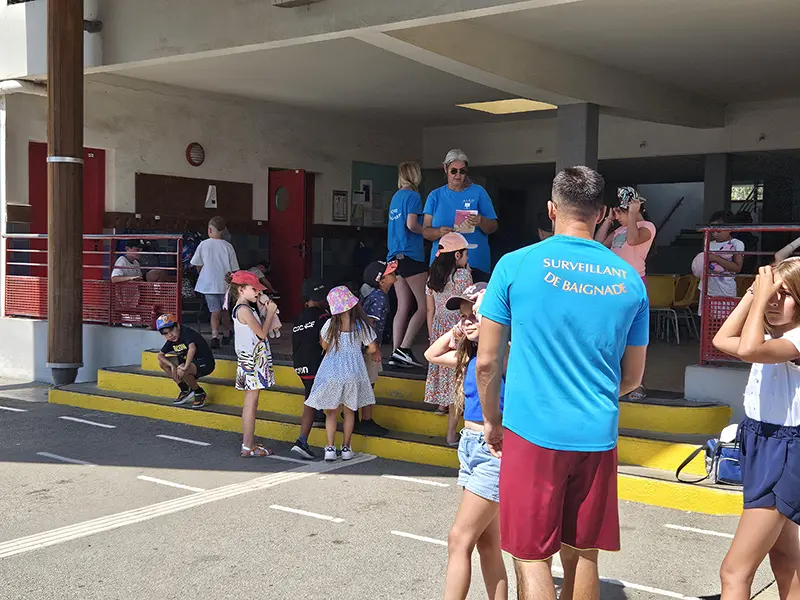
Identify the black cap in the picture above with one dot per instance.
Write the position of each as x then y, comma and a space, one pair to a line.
377, 270
314, 290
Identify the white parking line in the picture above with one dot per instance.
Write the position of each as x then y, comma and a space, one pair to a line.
702, 531
146, 513
180, 486
558, 571
8, 408
77, 420
73, 461
299, 461
415, 480
419, 538
305, 513
180, 439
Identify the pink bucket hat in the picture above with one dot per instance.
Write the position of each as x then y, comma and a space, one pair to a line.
340, 300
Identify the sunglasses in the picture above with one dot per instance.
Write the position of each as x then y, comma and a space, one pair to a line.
458, 171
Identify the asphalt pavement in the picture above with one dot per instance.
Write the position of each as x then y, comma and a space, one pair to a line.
106, 506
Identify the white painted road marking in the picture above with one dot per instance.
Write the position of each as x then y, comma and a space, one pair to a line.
180, 486
8, 408
702, 531
305, 513
77, 420
146, 513
299, 461
180, 439
419, 538
414, 480
558, 571
73, 461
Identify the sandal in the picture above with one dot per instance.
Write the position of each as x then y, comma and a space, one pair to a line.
256, 451
638, 394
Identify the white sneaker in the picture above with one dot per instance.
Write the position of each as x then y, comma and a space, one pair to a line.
330, 453
347, 453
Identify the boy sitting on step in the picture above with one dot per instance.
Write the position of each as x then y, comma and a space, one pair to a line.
185, 357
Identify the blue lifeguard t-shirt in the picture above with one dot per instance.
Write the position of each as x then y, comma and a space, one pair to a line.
573, 306
442, 204
401, 239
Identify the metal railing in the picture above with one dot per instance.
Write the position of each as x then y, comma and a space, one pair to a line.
135, 303
715, 309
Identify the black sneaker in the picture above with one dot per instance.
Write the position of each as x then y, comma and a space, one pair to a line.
184, 397
199, 399
404, 358
214, 343
303, 450
370, 427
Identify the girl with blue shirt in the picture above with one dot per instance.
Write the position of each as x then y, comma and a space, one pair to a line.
477, 220
406, 246
477, 522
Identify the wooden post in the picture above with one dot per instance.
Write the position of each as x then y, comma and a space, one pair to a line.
65, 188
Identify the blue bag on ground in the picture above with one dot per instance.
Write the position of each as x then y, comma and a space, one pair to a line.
722, 459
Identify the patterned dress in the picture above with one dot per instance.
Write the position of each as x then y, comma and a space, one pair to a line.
342, 377
254, 371
439, 384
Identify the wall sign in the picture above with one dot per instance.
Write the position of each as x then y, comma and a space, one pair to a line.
339, 206
195, 154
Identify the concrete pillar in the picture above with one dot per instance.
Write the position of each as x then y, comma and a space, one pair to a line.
577, 135
717, 187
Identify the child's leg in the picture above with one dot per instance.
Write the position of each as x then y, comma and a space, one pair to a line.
758, 530
366, 412
349, 424
190, 377
249, 417
330, 426
215, 323
784, 558
474, 515
307, 422
225, 316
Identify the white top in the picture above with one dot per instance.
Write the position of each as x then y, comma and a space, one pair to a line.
217, 257
125, 268
772, 394
245, 339
723, 286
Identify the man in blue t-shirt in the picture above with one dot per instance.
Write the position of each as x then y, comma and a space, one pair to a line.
578, 342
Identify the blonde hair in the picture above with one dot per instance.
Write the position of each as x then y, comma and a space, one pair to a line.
409, 175
788, 270
217, 224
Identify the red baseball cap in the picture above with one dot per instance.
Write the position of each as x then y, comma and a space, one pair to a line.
247, 278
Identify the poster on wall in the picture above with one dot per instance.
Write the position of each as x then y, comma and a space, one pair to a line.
339, 206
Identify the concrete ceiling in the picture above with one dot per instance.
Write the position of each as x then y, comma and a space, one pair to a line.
343, 75
729, 50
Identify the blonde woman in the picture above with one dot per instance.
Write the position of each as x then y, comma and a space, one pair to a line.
406, 247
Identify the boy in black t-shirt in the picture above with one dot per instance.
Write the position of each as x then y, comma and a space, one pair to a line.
185, 357
307, 355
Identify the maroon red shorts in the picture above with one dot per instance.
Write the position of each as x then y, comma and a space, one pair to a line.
553, 497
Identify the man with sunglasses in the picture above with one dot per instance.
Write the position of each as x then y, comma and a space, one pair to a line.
185, 357
465, 207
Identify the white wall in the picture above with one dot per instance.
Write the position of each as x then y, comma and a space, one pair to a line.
660, 200
146, 127
22, 39
535, 140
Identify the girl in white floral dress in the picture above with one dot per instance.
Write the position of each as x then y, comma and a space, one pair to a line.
254, 371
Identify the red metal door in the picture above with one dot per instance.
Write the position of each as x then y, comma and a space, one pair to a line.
289, 243
94, 203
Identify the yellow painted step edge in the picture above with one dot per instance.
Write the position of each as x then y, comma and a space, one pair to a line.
395, 418
635, 489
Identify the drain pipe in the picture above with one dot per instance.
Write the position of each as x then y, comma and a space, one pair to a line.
20, 86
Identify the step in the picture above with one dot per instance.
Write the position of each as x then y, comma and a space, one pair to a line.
637, 484
664, 415
398, 415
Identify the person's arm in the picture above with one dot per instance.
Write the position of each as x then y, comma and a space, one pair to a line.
430, 307
753, 347
190, 354
246, 317
440, 352
412, 222
232, 257
197, 257
124, 279
787, 250
489, 370
488, 226
636, 235
430, 233
604, 233
632, 369
734, 265
413, 209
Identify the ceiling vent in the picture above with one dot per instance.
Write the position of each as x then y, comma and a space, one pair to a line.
292, 3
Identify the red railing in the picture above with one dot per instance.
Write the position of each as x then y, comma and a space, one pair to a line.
132, 303
715, 309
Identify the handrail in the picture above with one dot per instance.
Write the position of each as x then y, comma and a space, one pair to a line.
668, 217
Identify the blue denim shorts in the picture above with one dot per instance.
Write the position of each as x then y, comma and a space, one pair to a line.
214, 302
480, 471
770, 460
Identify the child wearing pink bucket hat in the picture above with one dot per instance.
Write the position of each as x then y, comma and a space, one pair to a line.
342, 379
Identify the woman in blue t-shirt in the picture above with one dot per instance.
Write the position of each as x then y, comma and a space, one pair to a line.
406, 247
464, 207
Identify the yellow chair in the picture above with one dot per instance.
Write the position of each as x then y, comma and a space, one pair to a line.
687, 295
661, 294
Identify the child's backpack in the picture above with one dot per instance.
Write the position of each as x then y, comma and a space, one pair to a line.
722, 459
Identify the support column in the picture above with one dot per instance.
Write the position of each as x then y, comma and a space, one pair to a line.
65, 188
717, 185
577, 135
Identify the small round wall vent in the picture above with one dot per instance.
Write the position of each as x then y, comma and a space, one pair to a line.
195, 154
